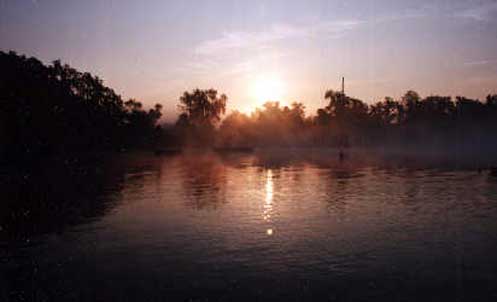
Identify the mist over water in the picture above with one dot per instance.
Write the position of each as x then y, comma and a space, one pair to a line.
280, 225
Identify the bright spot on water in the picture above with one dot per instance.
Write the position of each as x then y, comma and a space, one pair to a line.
268, 202
269, 188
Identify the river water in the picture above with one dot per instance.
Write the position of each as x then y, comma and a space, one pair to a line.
269, 226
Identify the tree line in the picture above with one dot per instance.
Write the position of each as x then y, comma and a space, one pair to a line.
54, 109
411, 122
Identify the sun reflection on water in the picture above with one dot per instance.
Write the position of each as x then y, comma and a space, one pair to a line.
268, 204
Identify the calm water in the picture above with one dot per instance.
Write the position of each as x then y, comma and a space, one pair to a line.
267, 227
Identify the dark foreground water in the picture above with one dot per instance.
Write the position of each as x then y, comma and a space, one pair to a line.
270, 226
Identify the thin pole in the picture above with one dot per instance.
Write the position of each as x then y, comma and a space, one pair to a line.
343, 85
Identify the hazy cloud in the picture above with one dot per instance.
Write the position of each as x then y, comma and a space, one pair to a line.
278, 32
481, 12
480, 62
217, 66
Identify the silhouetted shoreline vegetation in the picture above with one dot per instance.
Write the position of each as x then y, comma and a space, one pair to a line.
434, 124
425, 124
56, 111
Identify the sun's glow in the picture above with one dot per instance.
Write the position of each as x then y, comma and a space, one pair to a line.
267, 88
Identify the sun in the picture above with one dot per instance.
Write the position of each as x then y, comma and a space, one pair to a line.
267, 88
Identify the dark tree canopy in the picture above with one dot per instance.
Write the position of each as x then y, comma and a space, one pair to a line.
55, 109
202, 107
412, 122
201, 111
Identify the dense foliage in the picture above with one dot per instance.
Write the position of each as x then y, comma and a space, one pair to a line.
201, 111
55, 109
432, 123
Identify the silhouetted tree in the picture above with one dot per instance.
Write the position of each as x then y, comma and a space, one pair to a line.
201, 111
385, 113
203, 107
434, 122
56, 110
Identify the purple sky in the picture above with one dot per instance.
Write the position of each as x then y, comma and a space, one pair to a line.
250, 50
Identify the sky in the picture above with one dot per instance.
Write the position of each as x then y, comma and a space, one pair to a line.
257, 50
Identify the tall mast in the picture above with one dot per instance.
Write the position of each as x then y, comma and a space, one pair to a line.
343, 85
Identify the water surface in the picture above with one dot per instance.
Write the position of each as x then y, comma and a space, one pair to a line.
270, 226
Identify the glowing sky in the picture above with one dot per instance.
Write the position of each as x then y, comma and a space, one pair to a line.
154, 50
